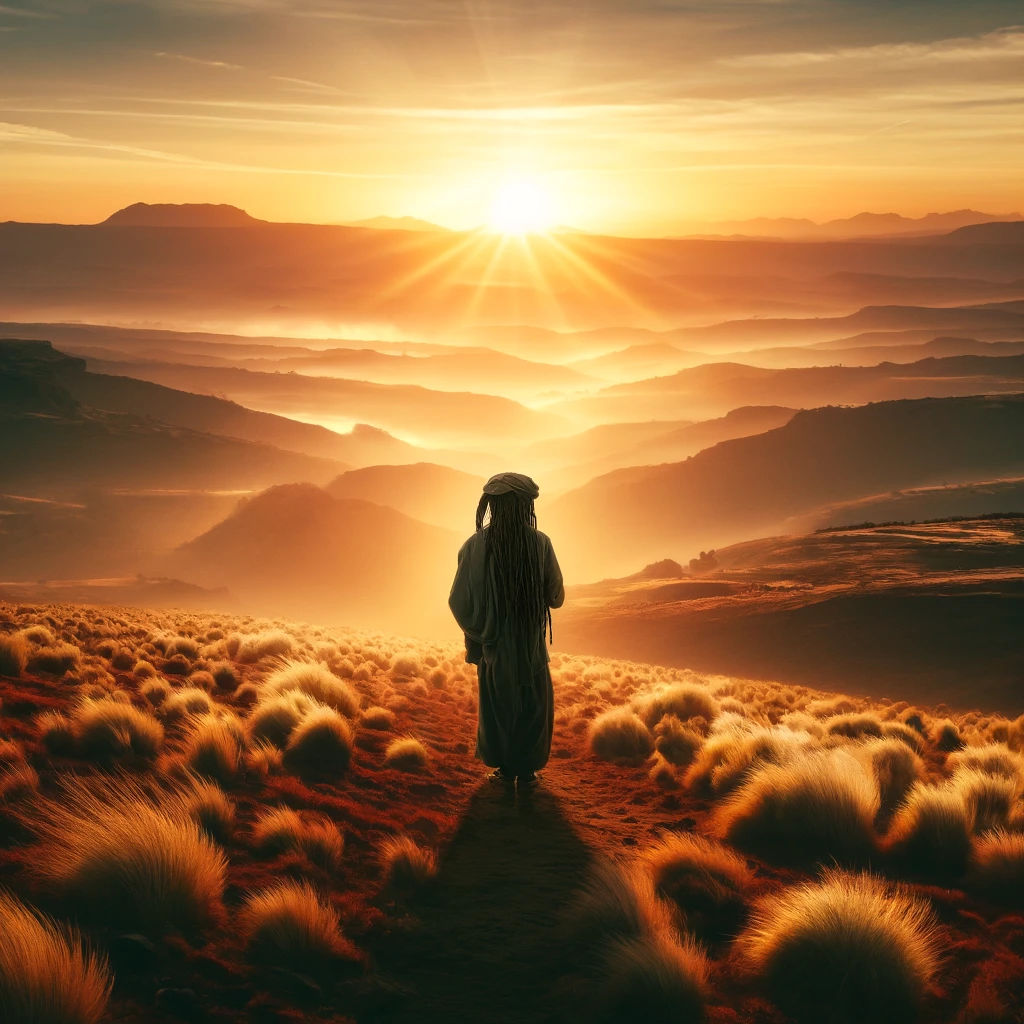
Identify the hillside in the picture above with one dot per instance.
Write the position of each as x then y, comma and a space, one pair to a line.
181, 215
751, 486
297, 550
668, 790
910, 609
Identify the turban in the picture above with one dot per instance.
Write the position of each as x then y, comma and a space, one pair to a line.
502, 483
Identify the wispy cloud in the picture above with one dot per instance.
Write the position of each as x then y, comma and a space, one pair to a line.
24, 12
301, 85
197, 60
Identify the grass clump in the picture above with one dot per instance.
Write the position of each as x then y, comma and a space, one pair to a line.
993, 759
677, 742
129, 857
405, 665
406, 864
281, 830
209, 807
47, 976
316, 681
684, 700
853, 726
291, 923
273, 718
321, 741
620, 736
728, 758
155, 690
274, 643
931, 832
14, 651
214, 748
990, 799
109, 728
183, 703
997, 867
707, 881
263, 759
17, 781
818, 808
848, 948
54, 659
407, 755
896, 769
379, 719
56, 732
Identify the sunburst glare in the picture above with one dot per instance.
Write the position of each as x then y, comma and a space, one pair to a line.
521, 206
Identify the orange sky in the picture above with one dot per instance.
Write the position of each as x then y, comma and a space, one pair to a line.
637, 118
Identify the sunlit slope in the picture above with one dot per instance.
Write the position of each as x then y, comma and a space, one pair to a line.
929, 611
752, 486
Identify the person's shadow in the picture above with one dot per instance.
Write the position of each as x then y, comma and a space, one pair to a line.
490, 945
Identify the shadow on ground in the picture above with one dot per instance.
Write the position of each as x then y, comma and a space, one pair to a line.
488, 942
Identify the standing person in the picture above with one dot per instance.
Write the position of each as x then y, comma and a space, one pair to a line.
507, 582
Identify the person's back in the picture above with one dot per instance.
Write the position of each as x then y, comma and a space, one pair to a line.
506, 583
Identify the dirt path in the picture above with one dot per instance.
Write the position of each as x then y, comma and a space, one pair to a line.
486, 944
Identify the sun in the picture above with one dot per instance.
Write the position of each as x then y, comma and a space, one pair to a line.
521, 207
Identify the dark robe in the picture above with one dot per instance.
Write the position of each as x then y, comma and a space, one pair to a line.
517, 703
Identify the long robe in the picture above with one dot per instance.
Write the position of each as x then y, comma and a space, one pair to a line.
517, 703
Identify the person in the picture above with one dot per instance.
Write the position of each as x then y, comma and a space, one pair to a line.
506, 584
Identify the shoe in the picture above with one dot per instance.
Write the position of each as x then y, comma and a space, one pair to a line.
528, 780
500, 775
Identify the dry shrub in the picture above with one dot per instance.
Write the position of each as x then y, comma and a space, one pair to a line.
262, 759
406, 754
992, 759
214, 747
189, 700
183, 645
727, 759
55, 659
620, 736
997, 867
946, 736
676, 742
819, 808
853, 726
131, 858
155, 690
380, 719
848, 948
273, 643
405, 665
684, 700
282, 830
17, 781
314, 680
706, 881
290, 923
109, 728
990, 799
57, 733
224, 675
274, 718
406, 864
14, 651
211, 809
896, 769
322, 741
931, 832
46, 974
38, 635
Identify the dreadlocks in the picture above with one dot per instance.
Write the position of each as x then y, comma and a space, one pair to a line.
512, 543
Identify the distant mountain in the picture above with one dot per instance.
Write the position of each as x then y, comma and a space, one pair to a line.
181, 215
295, 550
861, 225
396, 224
432, 494
53, 445
754, 485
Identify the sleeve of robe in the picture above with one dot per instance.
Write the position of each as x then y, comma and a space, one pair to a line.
472, 600
554, 588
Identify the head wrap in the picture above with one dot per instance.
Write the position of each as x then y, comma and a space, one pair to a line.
502, 483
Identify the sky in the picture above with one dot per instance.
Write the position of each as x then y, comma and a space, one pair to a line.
640, 118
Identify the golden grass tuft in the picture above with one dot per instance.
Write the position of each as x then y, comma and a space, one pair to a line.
213, 748
38, 635
317, 682
896, 769
406, 754
290, 923
406, 864
321, 741
728, 758
993, 759
931, 832
819, 808
677, 742
17, 782
47, 976
905, 734
275, 643
990, 799
14, 650
274, 718
183, 703
144, 670
854, 726
617, 902
946, 736
708, 882
684, 700
848, 948
997, 867
282, 830
130, 857
108, 728
620, 736
55, 659
263, 759
210, 809
56, 732
155, 690
380, 719
405, 665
